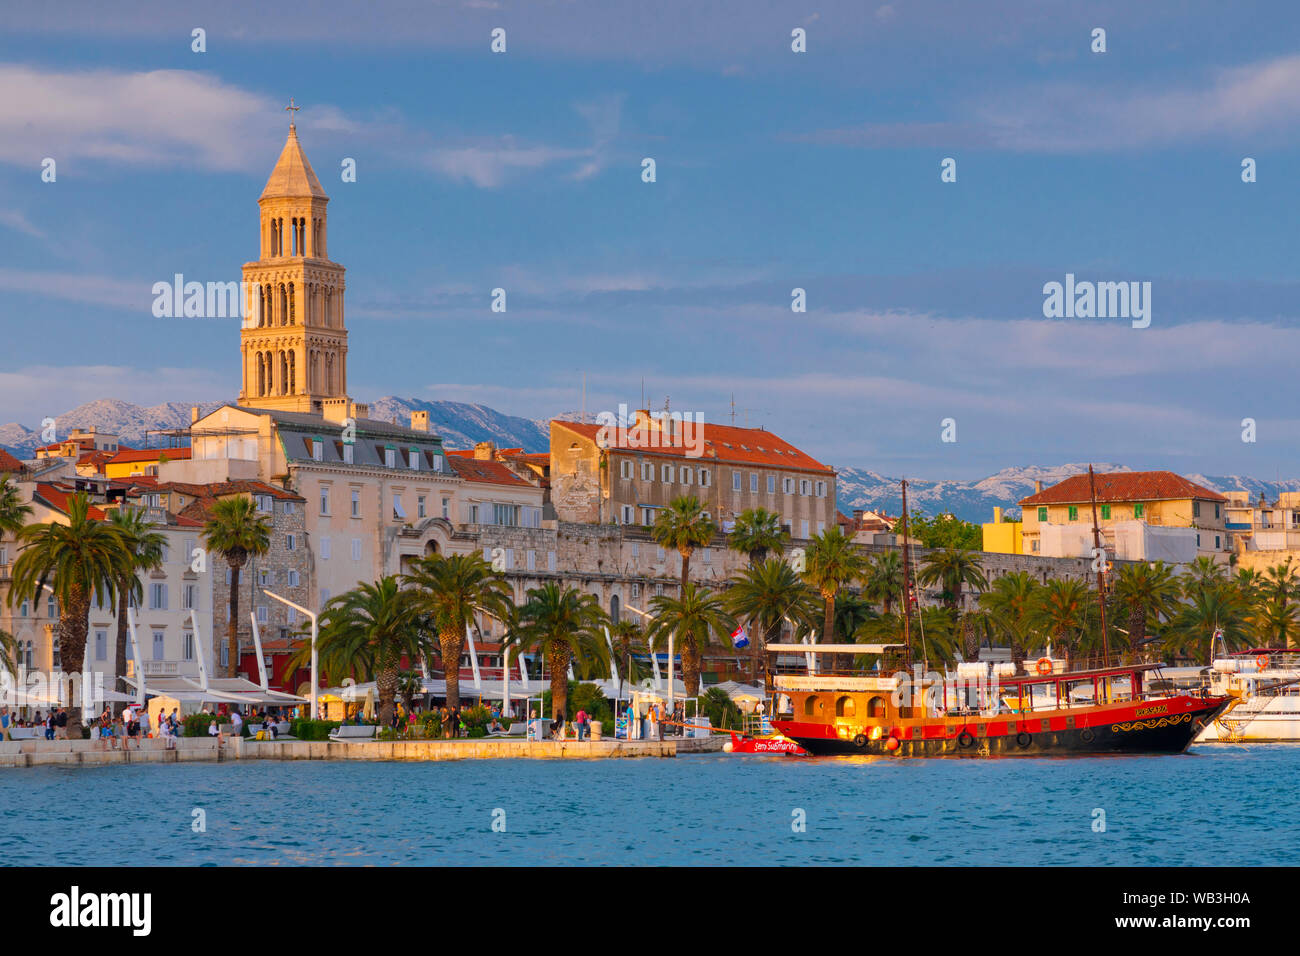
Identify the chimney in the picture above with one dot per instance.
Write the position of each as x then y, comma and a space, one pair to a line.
1038, 486
997, 515
194, 414
857, 517
645, 420
419, 421
485, 450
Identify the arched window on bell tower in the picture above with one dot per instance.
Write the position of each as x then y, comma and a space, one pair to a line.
293, 372
261, 376
293, 318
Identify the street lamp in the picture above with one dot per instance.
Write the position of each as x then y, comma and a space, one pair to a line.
315, 632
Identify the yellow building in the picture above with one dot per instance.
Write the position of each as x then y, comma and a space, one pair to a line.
133, 462
1003, 537
1143, 515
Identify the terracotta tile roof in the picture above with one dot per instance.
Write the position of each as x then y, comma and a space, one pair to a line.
1123, 486
130, 455
97, 458
477, 469
218, 489
57, 498
725, 443
8, 463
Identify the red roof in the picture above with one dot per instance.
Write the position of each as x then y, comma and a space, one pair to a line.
752, 446
129, 455
479, 469
219, 489
1123, 486
58, 499
8, 463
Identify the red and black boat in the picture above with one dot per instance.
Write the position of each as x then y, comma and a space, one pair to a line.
1104, 710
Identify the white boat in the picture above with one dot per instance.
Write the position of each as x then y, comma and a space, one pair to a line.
1265, 685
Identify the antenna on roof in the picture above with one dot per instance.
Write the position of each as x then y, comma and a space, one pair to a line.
583, 413
733, 409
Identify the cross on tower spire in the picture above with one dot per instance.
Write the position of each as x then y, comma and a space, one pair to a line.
292, 108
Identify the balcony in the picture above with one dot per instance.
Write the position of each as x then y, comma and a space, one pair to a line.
164, 668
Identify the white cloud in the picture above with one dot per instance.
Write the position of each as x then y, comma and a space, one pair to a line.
29, 394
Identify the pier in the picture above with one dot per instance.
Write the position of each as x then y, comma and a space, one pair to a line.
43, 753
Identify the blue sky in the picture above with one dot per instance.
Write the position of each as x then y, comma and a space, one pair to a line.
775, 170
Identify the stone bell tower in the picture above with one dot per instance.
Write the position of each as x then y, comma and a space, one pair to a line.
293, 342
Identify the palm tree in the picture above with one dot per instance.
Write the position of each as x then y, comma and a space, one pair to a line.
453, 589
976, 628
882, 583
765, 594
235, 531
1145, 592
14, 512
952, 569
1208, 608
1060, 609
938, 634
1278, 583
690, 620
368, 630
832, 562
756, 532
1008, 602
76, 561
146, 546
1205, 571
683, 525
561, 625
10, 649
628, 638
1274, 622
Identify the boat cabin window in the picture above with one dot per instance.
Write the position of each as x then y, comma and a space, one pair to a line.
811, 705
844, 707
876, 707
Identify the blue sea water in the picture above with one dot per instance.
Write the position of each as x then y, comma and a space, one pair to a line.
1218, 804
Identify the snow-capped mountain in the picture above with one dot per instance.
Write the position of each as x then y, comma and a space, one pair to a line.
460, 424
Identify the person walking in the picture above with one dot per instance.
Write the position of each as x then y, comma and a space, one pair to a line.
580, 722
145, 725
61, 724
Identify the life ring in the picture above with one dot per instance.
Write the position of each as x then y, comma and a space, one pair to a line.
1262, 662
1087, 735
1023, 739
1043, 665
891, 744
860, 741
965, 740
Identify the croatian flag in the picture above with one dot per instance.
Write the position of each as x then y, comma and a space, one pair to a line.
739, 638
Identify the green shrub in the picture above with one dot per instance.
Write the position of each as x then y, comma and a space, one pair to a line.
387, 733
475, 718
477, 732
588, 697
305, 729
196, 725
431, 725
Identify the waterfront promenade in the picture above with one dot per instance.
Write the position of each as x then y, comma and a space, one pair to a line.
41, 753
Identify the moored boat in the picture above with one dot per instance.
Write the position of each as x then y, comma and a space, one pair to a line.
1263, 685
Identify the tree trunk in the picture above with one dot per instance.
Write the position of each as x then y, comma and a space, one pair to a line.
690, 668
451, 642
73, 626
1137, 628
386, 687
119, 656
232, 626
686, 566
1018, 656
558, 659
970, 645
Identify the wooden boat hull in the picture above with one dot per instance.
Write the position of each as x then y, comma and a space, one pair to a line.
763, 745
1167, 726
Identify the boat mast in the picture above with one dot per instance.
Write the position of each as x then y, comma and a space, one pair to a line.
1099, 555
907, 580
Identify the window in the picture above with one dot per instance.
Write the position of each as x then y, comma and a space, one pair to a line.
1216, 542
318, 448
704, 477
356, 503
647, 516
771, 484
356, 549
291, 578
190, 597
625, 468
803, 529
290, 542
324, 499
324, 596
413, 458
263, 502
1105, 511
647, 471
821, 527
753, 482
101, 645
52, 607
735, 481
157, 597
627, 514
686, 475
187, 645
821, 489
446, 508
1196, 509
668, 474
532, 560
419, 506
288, 507
399, 513
159, 646
1216, 511
804, 485
1074, 512
263, 614
708, 555
347, 453
787, 486
263, 578
550, 561
437, 462
390, 457
507, 515
473, 514
1042, 514
324, 549
636, 590
1138, 510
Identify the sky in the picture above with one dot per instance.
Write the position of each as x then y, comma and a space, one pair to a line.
775, 170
